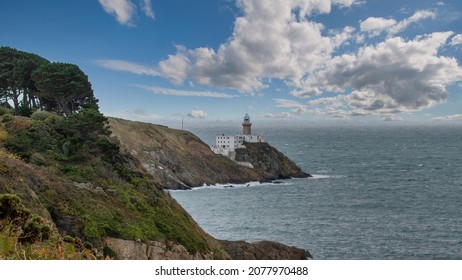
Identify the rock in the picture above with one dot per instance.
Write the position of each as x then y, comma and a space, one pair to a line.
263, 250
111, 192
270, 163
152, 250
238, 250
127, 249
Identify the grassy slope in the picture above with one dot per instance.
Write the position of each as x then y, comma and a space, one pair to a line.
121, 201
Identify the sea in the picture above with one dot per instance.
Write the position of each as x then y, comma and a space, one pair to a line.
378, 191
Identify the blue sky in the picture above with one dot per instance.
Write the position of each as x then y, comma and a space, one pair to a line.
278, 60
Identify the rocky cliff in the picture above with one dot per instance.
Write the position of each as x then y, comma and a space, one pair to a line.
178, 159
268, 162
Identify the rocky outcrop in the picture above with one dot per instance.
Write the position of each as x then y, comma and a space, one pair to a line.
153, 250
178, 159
237, 250
269, 162
263, 250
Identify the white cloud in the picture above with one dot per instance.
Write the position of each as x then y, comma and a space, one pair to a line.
179, 92
418, 16
392, 118
280, 116
390, 77
125, 10
296, 107
374, 26
127, 66
146, 5
286, 103
335, 101
273, 39
456, 40
197, 113
136, 115
449, 117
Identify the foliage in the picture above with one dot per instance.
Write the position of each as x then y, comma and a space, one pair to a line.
38, 159
28, 236
3, 134
30, 82
41, 115
71, 170
4, 111
64, 87
16, 83
24, 109
128, 205
7, 118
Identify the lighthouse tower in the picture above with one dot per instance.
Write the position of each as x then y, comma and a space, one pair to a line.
247, 126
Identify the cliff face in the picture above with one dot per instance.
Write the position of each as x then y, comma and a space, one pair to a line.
178, 159
269, 163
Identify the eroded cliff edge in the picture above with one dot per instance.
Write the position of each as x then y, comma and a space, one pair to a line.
178, 159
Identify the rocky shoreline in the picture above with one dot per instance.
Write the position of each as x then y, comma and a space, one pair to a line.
237, 250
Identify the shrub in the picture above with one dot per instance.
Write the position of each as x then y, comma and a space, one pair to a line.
41, 115
7, 118
11, 208
88, 245
34, 230
38, 159
24, 110
3, 134
5, 111
69, 239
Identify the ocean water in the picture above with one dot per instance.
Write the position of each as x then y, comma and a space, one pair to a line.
378, 192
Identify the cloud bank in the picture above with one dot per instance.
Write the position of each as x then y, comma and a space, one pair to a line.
391, 77
277, 39
273, 39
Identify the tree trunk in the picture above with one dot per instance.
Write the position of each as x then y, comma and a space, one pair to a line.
14, 97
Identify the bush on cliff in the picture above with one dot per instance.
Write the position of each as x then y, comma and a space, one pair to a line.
24, 235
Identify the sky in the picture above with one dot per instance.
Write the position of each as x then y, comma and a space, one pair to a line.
163, 61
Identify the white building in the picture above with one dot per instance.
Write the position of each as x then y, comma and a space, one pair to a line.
227, 144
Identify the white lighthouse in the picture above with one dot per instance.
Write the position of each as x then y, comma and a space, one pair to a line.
226, 145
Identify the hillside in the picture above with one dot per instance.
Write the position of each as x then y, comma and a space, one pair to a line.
76, 182
82, 185
178, 159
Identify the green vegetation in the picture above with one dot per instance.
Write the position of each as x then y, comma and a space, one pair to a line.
57, 156
29, 82
28, 236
